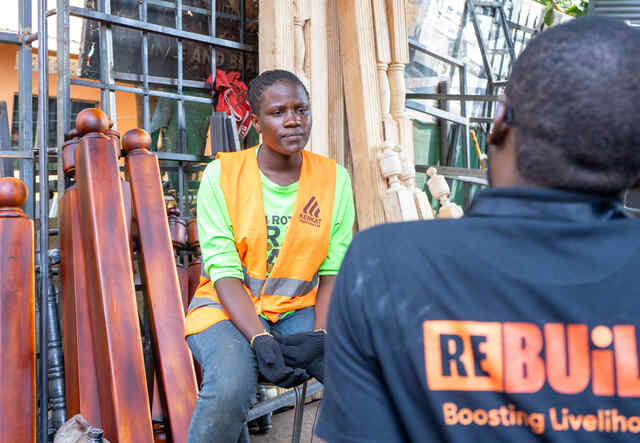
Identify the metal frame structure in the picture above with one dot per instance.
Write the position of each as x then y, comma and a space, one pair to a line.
27, 152
495, 81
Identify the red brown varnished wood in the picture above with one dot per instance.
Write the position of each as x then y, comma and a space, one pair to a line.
173, 361
79, 360
17, 317
195, 267
178, 230
124, 400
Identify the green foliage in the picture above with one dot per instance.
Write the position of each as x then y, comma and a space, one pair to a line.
570, 7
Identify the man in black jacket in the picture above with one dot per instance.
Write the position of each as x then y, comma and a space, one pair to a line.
518, 322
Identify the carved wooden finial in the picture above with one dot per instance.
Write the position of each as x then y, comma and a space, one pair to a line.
192, 228
135, 139
92, 120
173, 211
68, 157
74, 133
13, 196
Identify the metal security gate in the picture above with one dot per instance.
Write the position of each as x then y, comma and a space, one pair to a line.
39, 165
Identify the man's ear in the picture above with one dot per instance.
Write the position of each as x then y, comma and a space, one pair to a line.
256, 123
501, 126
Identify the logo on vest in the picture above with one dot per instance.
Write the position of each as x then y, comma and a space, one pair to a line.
311, 212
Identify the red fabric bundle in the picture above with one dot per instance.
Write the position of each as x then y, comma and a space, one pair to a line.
232, 99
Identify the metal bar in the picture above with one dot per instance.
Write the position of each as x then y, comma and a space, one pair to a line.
182, 124
481, 43
139, 78
459, 97
106, 54
114, 87
301, 395
146, 119
507, 35
11, 38
243, 25
16, 154
463, 111
175, 156
455, 118
212, 33
442, 57
25, 104
63, 102
289, 397
43, 116
170, 5
158, 29
481, 119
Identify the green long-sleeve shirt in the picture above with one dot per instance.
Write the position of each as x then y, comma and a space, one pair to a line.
219, 253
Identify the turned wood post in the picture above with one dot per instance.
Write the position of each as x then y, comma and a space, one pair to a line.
195, 266
173, 361
124, 400
81, 384
178, 231
17, 317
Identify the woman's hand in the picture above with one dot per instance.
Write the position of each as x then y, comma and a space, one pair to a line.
304, 350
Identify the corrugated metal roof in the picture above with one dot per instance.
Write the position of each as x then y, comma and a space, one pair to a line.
623, 9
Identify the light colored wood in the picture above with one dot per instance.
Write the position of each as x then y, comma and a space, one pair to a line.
300, 43
440, 190
336, 132
319, 69
398, 33
398, 203
275, 36
357, 48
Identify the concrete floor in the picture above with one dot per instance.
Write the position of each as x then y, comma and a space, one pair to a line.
283, 426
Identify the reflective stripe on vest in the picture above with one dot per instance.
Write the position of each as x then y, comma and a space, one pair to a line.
294, 280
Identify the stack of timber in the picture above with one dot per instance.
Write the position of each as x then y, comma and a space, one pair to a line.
351, 55
17, 316
105, 372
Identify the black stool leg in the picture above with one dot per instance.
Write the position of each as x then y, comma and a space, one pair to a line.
299, 412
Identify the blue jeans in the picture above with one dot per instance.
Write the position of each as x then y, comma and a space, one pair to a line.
229, 376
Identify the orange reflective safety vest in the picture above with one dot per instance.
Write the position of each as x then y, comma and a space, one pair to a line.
293, 281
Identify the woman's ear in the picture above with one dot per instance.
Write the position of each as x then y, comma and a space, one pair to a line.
501, 126
256, 123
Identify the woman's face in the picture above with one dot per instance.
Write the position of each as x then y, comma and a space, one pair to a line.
284, 118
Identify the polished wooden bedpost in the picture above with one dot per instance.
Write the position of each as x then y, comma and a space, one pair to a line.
178, 231
173, 361
124, 400
17, 316
79, 360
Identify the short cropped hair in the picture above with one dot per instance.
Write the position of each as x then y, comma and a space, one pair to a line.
575, 95
258, 85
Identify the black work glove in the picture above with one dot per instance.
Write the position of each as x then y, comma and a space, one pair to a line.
272, 366
304, 350
316, 369
301, 349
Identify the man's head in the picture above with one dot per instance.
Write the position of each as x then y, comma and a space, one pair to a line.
573, 101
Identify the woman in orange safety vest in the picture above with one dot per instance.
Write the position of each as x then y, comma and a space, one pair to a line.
274, 223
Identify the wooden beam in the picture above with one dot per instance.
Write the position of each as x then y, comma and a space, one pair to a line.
124, 400
162, 289
357, 48
275, 36
17, 317
319, 72
336, 118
